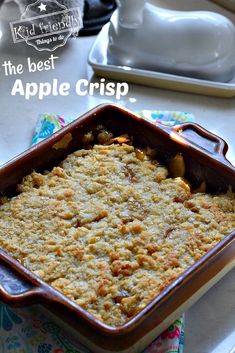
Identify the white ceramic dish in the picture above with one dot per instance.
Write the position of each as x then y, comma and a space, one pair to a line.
198, 44
98, 60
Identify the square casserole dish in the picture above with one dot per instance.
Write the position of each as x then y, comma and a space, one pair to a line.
204, 156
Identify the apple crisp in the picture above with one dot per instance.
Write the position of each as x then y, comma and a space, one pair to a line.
109, 229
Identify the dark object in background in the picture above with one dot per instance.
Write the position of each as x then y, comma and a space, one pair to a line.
96, 14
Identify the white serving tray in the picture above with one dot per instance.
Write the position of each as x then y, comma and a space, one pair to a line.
98, 60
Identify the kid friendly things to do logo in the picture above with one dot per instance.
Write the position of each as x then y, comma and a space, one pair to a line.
46, 25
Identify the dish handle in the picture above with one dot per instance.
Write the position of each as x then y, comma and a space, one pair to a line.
192, 134
17, 287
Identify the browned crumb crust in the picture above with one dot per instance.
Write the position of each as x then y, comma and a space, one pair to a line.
109, 230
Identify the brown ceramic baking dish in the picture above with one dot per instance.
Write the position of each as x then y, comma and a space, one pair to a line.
204, 155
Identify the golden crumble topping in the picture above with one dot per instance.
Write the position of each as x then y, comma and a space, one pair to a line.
109, 229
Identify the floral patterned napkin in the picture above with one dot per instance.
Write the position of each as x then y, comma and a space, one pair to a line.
29, 330
47, 124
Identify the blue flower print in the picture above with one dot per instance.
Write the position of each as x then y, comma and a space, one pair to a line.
47, 129
8, 318
12, 343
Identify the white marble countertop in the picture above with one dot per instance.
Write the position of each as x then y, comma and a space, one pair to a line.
210, 323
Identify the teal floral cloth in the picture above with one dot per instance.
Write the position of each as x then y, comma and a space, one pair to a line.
29, 330
47, 124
